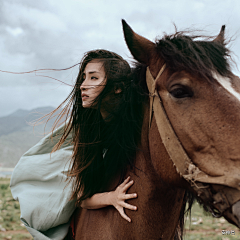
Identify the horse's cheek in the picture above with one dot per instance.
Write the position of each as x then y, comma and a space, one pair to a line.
165, 168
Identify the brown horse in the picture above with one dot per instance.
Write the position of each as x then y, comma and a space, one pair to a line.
200, 101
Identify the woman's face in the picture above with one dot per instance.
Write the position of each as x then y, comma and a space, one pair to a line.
94, 82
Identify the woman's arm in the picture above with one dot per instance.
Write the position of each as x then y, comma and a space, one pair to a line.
116, 198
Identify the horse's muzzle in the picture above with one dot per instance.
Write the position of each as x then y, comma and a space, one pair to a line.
236, 212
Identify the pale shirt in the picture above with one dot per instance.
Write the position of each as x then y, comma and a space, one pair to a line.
38, 183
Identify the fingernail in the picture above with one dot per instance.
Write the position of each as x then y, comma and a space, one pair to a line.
135, 195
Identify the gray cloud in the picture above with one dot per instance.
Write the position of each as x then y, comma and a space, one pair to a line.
55, 34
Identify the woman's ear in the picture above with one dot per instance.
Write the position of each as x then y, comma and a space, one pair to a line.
117, 90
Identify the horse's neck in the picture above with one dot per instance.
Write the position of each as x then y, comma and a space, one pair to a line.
156, 158
158, 203
159, 200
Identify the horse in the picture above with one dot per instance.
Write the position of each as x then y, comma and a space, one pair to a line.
189, 140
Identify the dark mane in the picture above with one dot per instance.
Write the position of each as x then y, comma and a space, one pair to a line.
182, 51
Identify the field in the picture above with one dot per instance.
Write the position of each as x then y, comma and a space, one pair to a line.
206, 227
10, 224
202, 227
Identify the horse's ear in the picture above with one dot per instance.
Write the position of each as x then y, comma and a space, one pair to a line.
220, 37
139, 46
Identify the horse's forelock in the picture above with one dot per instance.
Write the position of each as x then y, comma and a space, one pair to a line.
202, 57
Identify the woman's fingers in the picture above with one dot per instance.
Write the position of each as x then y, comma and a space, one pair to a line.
127, 186
122, 196
125, 181
129, 206
130, 196
123, 214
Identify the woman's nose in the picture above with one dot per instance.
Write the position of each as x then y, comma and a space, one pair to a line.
83, 85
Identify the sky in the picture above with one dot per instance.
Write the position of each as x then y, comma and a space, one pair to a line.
54, 34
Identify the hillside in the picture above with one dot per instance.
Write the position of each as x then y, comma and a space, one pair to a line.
17, 136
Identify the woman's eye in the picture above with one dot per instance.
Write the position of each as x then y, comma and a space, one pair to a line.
94, 77
181, 92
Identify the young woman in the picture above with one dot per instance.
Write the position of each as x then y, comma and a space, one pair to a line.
104, 112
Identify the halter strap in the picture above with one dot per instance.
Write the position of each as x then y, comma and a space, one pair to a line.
184, 166
169, 138
151, 83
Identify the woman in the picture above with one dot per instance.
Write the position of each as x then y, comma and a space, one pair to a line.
105, 114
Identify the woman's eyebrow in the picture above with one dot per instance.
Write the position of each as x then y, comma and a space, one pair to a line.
92, 72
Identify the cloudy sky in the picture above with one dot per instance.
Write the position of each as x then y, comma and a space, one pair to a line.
55, 34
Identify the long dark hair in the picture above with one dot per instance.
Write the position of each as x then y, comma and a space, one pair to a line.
117, 137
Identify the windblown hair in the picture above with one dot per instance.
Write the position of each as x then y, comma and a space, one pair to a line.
198, 57
117, 136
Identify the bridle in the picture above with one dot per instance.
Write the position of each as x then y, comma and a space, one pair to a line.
198, 180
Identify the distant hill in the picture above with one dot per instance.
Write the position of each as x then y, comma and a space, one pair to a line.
17, 136
21, 119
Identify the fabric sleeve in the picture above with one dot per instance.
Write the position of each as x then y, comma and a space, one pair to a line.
39, 184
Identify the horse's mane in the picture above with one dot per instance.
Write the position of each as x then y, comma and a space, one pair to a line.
183, 51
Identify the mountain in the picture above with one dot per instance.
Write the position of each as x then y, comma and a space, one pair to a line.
17, 135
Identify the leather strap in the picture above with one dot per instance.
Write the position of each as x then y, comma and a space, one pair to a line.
180, 159
169, 138
225, 196
152, 89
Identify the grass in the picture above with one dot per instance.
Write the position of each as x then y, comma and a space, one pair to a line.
10, 225
202, 227
205, 227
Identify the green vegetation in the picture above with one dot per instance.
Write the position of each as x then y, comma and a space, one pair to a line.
10, 225
202, 227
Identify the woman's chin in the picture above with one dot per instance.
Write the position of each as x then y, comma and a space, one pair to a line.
86, 105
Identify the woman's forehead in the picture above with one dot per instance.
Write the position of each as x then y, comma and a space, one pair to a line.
94, 66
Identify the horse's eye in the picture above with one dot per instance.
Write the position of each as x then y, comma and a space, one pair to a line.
181, 92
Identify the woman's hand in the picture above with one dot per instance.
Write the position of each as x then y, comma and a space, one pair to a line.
116, 198
119, 196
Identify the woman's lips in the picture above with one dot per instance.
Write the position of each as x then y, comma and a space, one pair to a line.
84, 97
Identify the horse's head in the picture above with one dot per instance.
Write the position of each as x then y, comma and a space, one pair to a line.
201, 99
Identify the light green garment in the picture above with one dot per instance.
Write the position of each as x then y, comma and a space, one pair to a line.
38, 183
